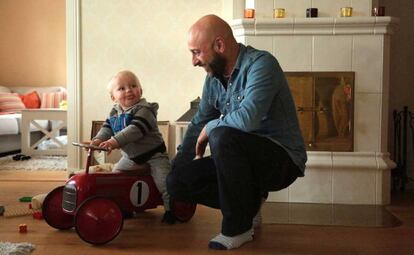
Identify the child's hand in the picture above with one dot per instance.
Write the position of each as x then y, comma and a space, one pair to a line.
95, 142
109, 145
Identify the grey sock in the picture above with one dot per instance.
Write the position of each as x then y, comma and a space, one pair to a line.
222, 242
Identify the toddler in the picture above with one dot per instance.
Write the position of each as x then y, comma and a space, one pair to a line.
132, 127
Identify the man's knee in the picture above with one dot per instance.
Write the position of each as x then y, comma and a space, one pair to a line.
221, 136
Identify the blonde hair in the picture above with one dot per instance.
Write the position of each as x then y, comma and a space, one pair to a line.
127, 74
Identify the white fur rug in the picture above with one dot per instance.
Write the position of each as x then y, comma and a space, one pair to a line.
35, 163
7, 248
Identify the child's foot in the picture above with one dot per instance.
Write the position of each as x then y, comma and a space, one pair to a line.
168, 217
222, 242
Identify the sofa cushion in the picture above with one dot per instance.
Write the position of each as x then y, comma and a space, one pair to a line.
52, 99
31, 100
10, 102
4, 89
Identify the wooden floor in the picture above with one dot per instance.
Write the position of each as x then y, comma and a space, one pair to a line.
147, 235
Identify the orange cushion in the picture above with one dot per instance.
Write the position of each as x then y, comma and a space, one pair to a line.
11, 102
31, 100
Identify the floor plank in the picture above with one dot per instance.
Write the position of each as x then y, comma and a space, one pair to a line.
13, 175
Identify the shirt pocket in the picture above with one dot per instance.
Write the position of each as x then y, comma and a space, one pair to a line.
236, 98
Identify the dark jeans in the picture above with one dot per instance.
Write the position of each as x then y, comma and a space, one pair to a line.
242, 168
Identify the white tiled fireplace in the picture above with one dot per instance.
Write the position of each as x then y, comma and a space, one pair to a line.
357, 44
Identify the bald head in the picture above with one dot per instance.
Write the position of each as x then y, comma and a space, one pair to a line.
209, 28
213, 45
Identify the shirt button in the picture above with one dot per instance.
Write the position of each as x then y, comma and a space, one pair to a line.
227, 103
238, 98
230, 84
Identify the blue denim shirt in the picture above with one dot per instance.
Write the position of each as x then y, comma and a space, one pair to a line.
257, 100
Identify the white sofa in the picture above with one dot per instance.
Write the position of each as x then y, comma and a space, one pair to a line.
10, 139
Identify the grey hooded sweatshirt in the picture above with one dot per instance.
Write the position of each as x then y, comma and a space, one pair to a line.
135, 130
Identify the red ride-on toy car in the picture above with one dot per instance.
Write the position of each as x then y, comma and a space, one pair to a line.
94, 203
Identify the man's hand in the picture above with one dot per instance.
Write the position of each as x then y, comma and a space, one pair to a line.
109, 145
201, 145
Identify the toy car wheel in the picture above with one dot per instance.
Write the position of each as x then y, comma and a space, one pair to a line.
183, 211
98, 220
52, 210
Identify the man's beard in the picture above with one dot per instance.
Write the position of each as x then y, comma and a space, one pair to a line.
217, 66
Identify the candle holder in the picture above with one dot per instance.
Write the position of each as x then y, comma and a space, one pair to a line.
249, 13
346, 12
311, 12
279, 13
378, 11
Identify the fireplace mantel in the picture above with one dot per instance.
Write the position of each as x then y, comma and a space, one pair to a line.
314, 26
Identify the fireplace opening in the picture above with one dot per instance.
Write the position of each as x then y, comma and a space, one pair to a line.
324, 103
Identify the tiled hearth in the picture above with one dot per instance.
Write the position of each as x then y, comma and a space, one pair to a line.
355, 44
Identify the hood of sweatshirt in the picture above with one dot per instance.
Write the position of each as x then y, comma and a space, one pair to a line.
153, 107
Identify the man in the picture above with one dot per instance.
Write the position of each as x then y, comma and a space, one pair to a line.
248, 118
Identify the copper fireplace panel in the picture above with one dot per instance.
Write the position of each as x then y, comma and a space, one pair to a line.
324, 103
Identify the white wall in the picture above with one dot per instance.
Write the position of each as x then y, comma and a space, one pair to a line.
148, 37
32, 44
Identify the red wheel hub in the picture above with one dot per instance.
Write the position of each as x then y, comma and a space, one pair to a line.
53, 212
98, 220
